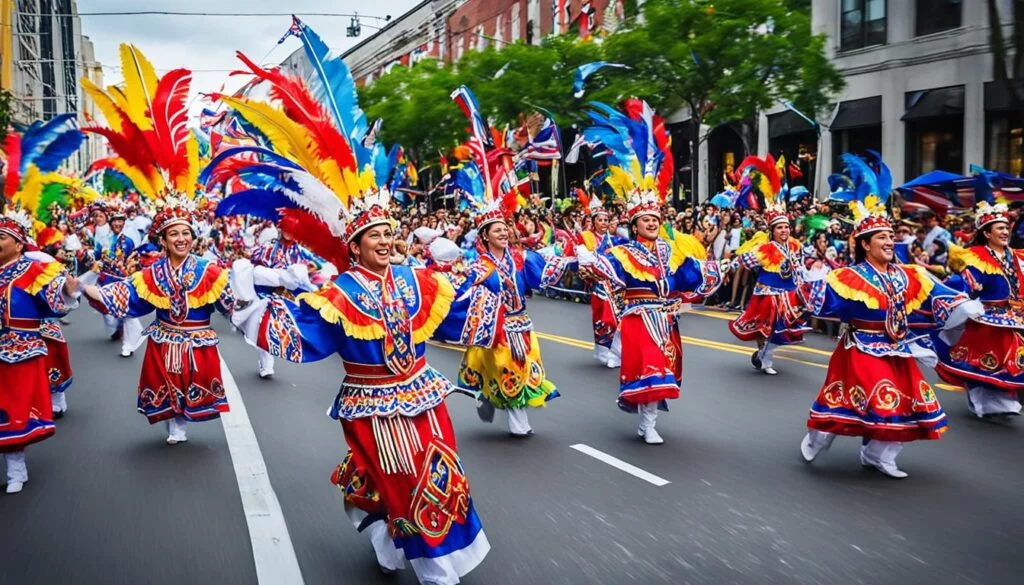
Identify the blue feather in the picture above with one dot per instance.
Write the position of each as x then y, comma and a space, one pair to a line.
864, 178
884, 175
259, 203
333, 85
204, 176
48, 144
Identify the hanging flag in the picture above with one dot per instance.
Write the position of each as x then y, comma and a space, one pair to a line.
586, 70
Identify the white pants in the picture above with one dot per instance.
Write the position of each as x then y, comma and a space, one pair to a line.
266, 362
131, 336
58, 401
436, 571
881, 452
983, 400
766, 352
518, 421
648, 415
176, 428
610, 356
17, 471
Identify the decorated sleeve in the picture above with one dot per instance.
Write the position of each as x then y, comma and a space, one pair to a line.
823, 300
949, 307
474, 318
294, 331
749, 260
697, 277
49, 291
122, 300
533, 269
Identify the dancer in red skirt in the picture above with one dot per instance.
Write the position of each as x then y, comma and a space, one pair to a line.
30, 291
775, 315
181, 379
873, 388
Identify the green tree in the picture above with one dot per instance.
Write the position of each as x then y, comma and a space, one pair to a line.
726, 61
6, 105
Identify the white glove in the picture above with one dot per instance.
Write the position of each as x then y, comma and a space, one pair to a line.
296, 277
242, 283
444, 251
584, 256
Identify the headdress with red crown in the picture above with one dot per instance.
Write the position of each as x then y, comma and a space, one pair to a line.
322, 178
638, 152
114, 208
147, 128
590, 204
986, 213
32, 184
764, 177
871, 189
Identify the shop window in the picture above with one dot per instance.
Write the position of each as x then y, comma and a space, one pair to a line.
855, 141
932, 16
1004, 142
862, 24
935, 144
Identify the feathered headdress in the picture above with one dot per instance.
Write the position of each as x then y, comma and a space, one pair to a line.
766, 180
32, 161
590, 204
638, 150
870, 192
320, 177
147, 128
986, 213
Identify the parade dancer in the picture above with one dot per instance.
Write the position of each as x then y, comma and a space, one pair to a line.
280, 252
656, 277
403, 482
502, 362
603, 309
181, 378
873, 388
987, 360
775, 315
30, 291
111, 258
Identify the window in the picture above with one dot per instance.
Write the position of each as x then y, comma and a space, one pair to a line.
862, 24
480, 38
514, 36
499, 32
934, 16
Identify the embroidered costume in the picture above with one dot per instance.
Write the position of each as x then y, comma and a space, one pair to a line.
604, 304
988, 359
112, 260
775, 314
402, 480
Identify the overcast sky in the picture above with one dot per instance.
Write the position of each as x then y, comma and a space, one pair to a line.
207, 44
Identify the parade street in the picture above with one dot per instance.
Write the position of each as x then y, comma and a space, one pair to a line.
726, 499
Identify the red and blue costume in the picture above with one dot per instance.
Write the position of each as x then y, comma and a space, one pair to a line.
776, 312
603, 303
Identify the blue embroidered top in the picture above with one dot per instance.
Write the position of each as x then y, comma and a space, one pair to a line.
30, 292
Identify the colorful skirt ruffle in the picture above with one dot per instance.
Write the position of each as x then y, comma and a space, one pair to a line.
196, 392
880, 398
504, 381
26, 414
652, 360
778, 318
984, 355
58, 365
605, 321
406, 471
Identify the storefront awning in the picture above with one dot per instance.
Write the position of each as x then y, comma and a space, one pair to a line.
786, 123
997, 95
863, 113
934, 103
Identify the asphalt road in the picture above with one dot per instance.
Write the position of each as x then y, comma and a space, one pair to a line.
109, 502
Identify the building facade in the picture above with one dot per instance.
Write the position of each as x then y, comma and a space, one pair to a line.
919, 88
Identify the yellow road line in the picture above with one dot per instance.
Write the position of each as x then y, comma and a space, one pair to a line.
730, 316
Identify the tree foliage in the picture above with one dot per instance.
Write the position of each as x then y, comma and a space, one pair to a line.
726, 60
1008, 50
6, 105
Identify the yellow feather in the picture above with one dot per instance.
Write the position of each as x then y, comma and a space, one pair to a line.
150, 186
186, 183
118, 97
620, 181
287, 138
140, 83
30, 191
366, 180
105, 103
335, 180
760, 238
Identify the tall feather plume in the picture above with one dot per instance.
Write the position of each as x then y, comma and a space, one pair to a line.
48, 144
110, 110
170, 126
140, 85
767, 170
12, 178
864, 178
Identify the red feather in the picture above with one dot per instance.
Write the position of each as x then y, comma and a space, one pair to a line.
766, 168
668, 165
302, 107
12, 147
170, 121
306, 229
509, 203
633, 108
583, 198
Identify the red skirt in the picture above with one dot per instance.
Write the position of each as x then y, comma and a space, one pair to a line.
883, 398
195, 393
777, 318
652, 360
58, 365
605, 321
26, 415
985, 354
407, 471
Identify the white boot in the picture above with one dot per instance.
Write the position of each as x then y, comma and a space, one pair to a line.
519, 423
882, 456
59, 403
601, 354
766, 358
648, 418
266, 364
986, 401
176, 432
17, 471
615, 352
131, 337
389, 558
814, 443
